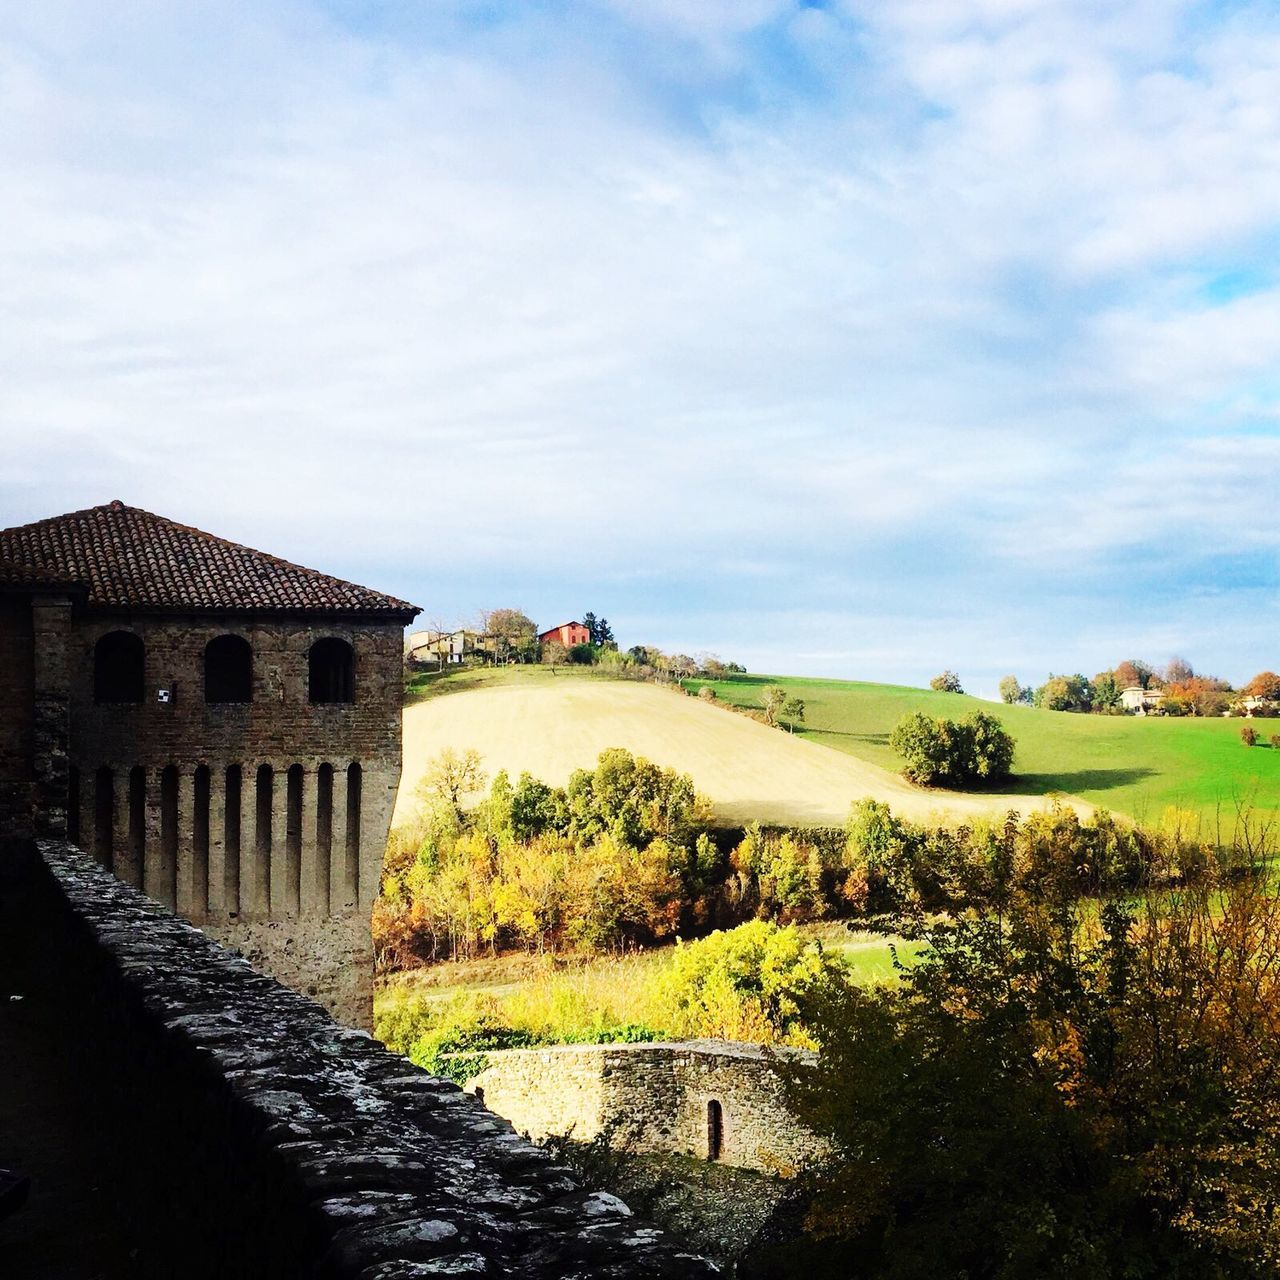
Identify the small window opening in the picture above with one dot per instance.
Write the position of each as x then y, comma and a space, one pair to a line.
331, 671
117, 667
715, 1130
228, 670
231, 811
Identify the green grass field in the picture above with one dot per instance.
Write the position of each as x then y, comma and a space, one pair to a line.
1138, 766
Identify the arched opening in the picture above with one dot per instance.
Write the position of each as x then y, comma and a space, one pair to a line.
228, 670
293, 839
104, 816
137, 848
324, 835
715, 1130
259, 896
167, 872
117, 667
353, 832
200, 840
331, 671
73, 805
231, 812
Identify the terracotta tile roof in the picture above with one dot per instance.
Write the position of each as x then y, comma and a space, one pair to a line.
130, 559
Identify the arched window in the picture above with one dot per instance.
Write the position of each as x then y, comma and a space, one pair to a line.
228, 670
117, 667
331, 676
715, 1130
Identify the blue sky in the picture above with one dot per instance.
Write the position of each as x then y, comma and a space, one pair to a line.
858, 339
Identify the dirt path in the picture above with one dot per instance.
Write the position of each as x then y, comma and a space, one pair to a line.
747, 769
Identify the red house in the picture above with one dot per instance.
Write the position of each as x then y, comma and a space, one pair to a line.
568, 634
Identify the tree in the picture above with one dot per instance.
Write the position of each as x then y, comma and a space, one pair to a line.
1053, 1093
946, 682
1012, 692
1178, 671
1106, 691
554, 654
599, 633
1133, 673
938, 752
451, 777
1266, 684
512, 634
1064, 693
793, 711
773, 699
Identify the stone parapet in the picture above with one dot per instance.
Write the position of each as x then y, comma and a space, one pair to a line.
711, 1099
287, 1146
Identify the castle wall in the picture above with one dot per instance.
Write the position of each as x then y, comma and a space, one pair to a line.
654, 1098
268, 1142
264, 822
17, 715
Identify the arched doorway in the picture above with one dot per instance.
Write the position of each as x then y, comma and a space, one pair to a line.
715, 1129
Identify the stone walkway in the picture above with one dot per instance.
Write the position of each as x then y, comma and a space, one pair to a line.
68, 1229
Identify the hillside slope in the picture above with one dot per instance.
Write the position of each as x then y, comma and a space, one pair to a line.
1133, 765
549, 726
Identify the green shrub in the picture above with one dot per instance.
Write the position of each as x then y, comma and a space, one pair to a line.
938, 752
745, 983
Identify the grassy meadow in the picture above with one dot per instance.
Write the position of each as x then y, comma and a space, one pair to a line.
1138, 766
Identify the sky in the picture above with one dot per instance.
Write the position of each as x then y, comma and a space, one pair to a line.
857, 339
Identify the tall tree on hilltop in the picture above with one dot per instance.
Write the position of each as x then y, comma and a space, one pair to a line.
592, 624
1131, 673
512, 633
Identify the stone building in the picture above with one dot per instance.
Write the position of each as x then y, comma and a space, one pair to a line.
219, 727
710, 1099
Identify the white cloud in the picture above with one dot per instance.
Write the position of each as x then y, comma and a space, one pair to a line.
933, 275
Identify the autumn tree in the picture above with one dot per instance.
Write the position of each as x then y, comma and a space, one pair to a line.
1132, 673
1064, 693
1052, 1093
451, 778
946, 682
1012, 692
773, 699
1177, 671
1266, 684
512, 634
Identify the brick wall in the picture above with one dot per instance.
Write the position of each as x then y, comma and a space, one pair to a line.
265, 821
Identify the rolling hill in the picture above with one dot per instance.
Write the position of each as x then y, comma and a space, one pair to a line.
529, 719
1137, 766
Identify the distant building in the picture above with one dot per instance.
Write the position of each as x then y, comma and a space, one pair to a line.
1139, 701
568, 634
219, 727
444, 648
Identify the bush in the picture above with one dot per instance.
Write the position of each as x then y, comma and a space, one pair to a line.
946, 682
745, 983
1275, 740
953, 753
707, 693
582, 654
1248, 735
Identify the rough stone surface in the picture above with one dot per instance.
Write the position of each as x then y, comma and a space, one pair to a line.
654, 1098
290, 1146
